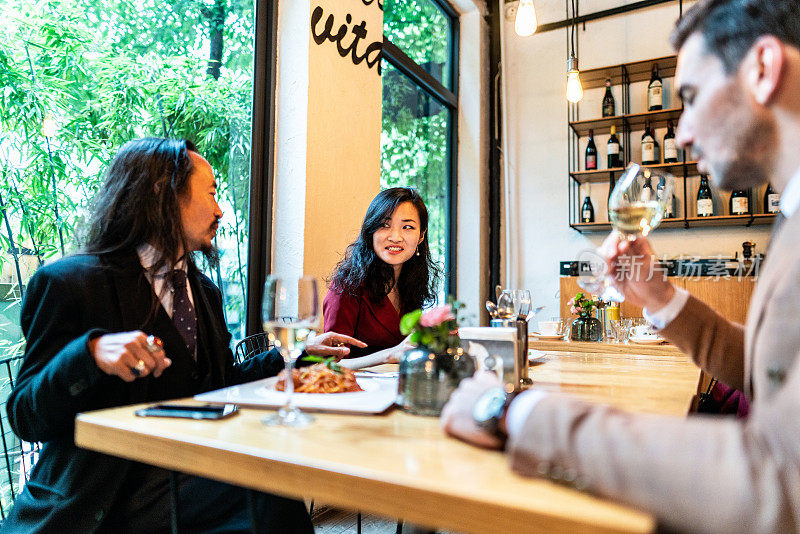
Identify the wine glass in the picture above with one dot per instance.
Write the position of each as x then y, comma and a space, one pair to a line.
290, 315
634, 208
505, 305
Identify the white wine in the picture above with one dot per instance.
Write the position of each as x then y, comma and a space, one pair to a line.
637, 218
288, 338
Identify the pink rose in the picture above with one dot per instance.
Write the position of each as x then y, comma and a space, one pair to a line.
574, 310
436, 316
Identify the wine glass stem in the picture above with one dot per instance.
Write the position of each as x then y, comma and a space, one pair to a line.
289, 385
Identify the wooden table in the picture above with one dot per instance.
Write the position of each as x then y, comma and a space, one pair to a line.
400, 465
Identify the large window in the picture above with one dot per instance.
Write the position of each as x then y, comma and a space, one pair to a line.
418, 140
79, 78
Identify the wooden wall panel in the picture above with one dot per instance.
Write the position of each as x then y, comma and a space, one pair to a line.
730, 297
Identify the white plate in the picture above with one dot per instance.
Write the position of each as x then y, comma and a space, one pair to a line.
536, 356
647, 340
547, 338
378, 395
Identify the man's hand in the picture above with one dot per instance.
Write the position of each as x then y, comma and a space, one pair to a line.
332, 344
632, 265
457, 419
120, 354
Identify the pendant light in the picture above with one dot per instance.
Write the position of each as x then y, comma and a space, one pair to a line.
525, 23
574, 88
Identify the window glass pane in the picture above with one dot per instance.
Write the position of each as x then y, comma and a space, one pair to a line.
104, 72
423, 31
415, 153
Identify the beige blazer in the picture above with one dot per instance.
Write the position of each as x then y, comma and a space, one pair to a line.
697, 474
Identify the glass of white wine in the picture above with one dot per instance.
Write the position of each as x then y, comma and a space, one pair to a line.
290, 315
634, 209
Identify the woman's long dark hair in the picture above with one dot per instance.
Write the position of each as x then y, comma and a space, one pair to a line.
362, 271
139, 201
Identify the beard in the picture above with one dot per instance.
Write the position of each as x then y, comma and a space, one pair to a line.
745, 158
211, 254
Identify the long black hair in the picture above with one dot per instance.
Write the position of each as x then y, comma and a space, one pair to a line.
361, 271
139, 201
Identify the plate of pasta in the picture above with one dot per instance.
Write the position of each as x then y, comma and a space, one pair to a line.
317, 388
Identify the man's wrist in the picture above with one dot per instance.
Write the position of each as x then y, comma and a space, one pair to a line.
660, 298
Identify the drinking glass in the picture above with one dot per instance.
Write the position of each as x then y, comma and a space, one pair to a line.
634, 208
290, 315
522, 303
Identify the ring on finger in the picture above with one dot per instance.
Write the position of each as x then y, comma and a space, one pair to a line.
138, 369
154, 344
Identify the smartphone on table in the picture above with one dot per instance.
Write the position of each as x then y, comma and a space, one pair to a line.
188, 411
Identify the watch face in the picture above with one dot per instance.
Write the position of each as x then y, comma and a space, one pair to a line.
489, 406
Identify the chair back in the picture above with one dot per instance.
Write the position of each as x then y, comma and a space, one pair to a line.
250, 346
19, 456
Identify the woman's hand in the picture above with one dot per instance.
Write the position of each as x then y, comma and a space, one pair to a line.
332, 344
393, 354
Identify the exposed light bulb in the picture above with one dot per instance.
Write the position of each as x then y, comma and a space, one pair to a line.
49, 126
525, 24
574, 88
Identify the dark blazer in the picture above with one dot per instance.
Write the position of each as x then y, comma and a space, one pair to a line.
376, 324
66, 304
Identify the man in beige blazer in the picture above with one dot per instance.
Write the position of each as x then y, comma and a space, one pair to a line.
739, 76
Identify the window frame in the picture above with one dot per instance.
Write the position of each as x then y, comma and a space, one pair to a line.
262, 160
448, 98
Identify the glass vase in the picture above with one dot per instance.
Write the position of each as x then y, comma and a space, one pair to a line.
428, 378
586, 329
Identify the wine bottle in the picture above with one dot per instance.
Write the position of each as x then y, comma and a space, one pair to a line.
612, 182
772, 200
591, 153
587, 211
705, 203
648, 147
740, 202
647, 191
613, 150
654, 90
609, 105
670, 147
669, 211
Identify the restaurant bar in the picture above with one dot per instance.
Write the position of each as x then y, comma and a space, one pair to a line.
399, 266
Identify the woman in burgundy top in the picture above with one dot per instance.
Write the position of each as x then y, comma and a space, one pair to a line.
385, 273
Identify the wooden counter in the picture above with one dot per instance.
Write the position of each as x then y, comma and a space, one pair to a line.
403, 466
728, 296
595, 347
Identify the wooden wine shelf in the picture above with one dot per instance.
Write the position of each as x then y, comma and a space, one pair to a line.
635, 121
692, 222
638, 71
625, 74
606, 227
604, 175
731, 220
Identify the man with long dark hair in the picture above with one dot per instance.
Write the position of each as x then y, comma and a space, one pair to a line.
738, 74
129, 320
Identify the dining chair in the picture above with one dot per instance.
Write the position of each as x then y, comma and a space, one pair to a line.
250, 346
19, 456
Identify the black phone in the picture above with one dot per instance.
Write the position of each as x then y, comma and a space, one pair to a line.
188, 411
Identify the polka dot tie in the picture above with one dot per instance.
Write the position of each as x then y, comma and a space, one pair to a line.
183, 315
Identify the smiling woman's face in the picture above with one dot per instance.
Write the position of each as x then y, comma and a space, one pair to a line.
397, 238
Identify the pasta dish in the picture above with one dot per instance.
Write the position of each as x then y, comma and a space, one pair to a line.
320, 378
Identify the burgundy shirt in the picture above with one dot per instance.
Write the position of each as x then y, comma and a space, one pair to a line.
377, 325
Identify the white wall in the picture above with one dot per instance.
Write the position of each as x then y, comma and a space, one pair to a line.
535, 74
